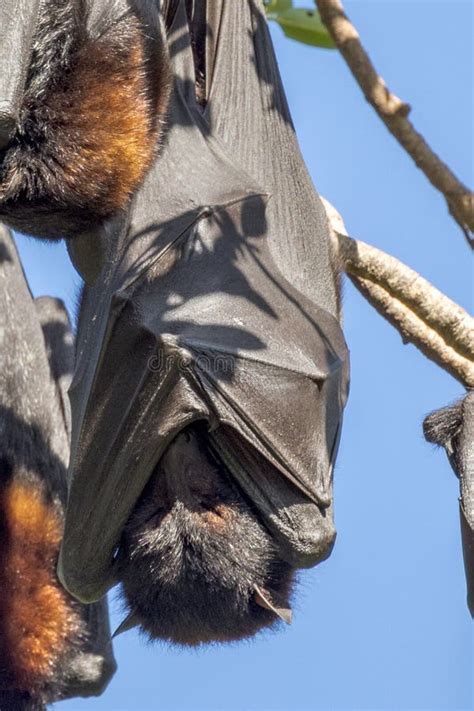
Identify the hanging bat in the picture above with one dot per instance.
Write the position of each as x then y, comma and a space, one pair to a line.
211, 369
83, 93
51, 647
452, 427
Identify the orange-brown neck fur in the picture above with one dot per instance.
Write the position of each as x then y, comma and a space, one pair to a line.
39, 625
90, 123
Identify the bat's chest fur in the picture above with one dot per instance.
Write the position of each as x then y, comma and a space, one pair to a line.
89, 123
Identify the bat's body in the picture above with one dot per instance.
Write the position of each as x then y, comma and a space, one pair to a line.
452, 427
51, 647
88, 119
211, 371
215, 305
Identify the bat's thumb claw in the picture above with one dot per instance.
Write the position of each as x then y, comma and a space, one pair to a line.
129, 622
262, 598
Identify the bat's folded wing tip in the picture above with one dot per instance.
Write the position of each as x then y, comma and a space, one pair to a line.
73, 577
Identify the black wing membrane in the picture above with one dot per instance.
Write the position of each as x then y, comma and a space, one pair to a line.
216, 301
51, 647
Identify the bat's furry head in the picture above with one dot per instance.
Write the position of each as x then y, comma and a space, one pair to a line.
89, 120
194, 558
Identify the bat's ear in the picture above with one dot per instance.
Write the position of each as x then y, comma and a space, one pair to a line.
264, 599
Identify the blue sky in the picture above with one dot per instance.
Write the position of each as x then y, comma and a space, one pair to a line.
383, 623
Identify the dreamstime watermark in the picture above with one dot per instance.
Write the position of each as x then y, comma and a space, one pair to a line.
162, 362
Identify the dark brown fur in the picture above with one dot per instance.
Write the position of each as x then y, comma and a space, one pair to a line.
90, 123
19, 701
193, 553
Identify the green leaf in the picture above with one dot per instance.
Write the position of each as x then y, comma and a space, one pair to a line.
277, 6
302, 25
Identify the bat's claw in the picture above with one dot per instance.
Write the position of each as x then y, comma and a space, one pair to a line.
128, 623
263, 599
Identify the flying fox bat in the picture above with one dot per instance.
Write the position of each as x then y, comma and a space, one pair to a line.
452, 427
83, 91
51, 646
211, 370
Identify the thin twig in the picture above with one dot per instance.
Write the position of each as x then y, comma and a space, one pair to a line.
437, 326
394, 112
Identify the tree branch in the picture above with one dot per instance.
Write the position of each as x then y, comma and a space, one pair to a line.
394, 112
437, 326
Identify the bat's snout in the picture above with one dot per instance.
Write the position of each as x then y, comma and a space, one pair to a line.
18, 24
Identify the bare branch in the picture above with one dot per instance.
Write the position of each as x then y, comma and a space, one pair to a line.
437, 326
394, 112
414, 330
437, 311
